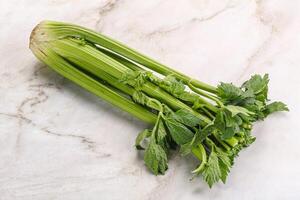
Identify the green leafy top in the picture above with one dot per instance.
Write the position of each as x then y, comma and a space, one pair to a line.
218, 143
252, 95
217, 166
156, 158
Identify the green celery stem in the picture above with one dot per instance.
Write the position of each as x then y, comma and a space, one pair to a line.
66, 29
70, 72
96, 62
232, 141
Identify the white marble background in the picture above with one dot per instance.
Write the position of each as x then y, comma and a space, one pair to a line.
59, 142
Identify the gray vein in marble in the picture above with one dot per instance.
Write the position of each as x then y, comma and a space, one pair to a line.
103, 11
38, 87
91, 145
202, 19
165, 31
39, 98
20, 117
259, 14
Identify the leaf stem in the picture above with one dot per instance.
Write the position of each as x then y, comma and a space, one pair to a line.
200, 153
221, 142
196, 90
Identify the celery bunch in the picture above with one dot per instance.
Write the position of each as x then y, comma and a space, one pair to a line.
211, 123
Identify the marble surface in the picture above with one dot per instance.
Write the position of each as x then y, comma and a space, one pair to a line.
59, 142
